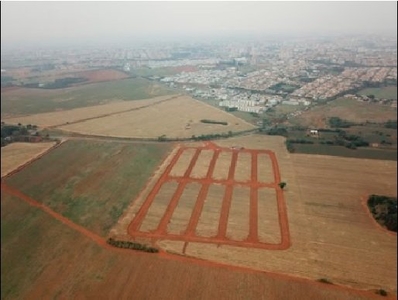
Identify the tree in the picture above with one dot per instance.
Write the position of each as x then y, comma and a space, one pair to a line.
282, 185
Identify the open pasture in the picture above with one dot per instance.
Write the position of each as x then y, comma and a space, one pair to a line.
169, 118
387, 92
90, 182
15, 155
347, 109
28, 101
52, 119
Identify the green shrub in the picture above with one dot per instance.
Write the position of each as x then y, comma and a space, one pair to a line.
325, 280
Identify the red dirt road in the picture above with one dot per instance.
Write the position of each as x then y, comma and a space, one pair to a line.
189, 234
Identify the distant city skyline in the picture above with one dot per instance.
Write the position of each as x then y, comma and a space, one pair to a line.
51, 23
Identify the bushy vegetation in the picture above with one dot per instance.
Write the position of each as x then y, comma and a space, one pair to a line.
384, 210
325, 280
277, 131
206, 137
131, 245
299, 141
381, 292
10, 133
336, 122
391, 124
231, 109
213, 122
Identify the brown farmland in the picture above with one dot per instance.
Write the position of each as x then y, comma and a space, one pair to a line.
168, 118
87, 269
52, 119
331, 233
342, 251
17, 154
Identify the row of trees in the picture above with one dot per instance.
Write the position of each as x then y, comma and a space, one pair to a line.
384, 210
213, 122
131, 245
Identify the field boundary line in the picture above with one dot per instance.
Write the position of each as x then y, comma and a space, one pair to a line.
33, 159
114, 113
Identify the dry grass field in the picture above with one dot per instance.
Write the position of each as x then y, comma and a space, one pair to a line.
332, 235
79, 114
17, 154
347, 109
168, 118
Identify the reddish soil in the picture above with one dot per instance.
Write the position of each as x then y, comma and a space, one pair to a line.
102, 75
190, 235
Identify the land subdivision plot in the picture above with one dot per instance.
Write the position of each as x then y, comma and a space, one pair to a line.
210, 216
239, 214
332, 234
243, 167
202, 164
183, 160
264, 170
178, 118
237, 221
158, 207
222, 166
268, 220
17, 154
182, 213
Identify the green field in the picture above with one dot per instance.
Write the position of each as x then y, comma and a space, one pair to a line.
370, 153
90, 182
388, 92
32, 101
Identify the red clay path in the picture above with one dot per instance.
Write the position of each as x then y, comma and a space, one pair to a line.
189, 235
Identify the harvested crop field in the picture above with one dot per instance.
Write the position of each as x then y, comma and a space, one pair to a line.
80, 114
168, 118
29, 101
73, 267
17, 154
90, 182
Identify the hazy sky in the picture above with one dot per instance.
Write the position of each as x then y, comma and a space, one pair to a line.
41, 22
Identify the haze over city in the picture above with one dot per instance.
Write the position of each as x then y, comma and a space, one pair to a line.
199, 150
42, 23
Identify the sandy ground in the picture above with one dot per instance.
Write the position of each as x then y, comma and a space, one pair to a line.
17, 154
